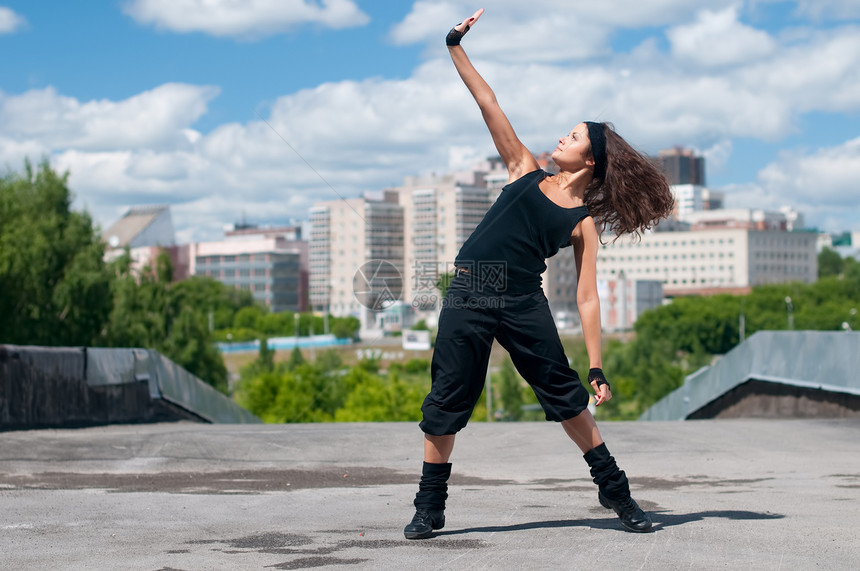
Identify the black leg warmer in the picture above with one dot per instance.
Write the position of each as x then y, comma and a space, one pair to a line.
610, 479
433, 488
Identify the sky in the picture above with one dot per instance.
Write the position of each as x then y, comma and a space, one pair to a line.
254, 110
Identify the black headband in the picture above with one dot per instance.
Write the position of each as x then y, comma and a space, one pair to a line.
598, 148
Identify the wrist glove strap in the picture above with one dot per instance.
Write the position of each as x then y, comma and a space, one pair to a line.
454, 36
596, 375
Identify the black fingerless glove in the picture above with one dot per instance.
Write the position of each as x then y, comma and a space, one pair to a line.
596, 375
454, 36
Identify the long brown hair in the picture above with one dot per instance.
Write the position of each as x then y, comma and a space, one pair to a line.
634, 194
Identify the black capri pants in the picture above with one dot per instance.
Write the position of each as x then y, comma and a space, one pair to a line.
523, 325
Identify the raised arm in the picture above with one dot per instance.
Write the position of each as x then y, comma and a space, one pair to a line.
585, 245
515, 155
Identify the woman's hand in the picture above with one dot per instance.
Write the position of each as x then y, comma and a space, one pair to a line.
457, 32
600, 385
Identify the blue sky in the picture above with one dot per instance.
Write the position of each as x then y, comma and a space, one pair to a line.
185, 102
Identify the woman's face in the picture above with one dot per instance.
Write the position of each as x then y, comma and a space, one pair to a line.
573, 152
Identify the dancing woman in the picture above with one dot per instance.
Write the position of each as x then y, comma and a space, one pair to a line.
603, 183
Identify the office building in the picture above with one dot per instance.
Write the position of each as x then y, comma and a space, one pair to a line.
271, 263
754, 219
622, 301
146, 231
356, 256
682, 166
689, 198
439, 213
712, 260
141, 226
559, 283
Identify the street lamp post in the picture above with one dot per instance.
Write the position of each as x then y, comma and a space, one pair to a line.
790, 309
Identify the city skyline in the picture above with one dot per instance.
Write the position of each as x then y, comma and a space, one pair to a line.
218, 111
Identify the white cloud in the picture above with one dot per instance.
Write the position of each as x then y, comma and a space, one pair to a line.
718, 155
718, 38
248, 19
820, 73
152, 119
823, 185
503, 34
819, 10
342, 138
828, 176
829, 9
10, 22
541, 30
13, 153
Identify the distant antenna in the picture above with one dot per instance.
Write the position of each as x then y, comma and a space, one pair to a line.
243, 222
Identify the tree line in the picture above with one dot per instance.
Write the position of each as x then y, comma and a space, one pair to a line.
325, 390
56, 289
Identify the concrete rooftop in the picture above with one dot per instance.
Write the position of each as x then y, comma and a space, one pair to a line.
724, 494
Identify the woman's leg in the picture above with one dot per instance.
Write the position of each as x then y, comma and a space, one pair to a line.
613, 487
583, 431
532, 340
437, 449
458, 370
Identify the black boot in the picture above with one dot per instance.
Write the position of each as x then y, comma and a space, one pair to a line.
429, 502
614, 490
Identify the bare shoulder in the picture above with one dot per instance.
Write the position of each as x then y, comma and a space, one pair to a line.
585, 232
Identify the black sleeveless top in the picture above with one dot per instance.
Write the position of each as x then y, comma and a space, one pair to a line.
519, 232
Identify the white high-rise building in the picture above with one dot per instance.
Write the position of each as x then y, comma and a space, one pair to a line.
713, 259
559, 285
356, 255
622, 301
689, 198
440, 213
755, 219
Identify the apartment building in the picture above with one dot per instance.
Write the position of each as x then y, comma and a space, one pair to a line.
689, 198
273, 268
755, 219
682, 166
356, 255
711, 260
439, 213
559, 285
622, 301
147, 232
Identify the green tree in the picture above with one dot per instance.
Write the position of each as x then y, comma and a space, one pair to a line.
328, 361
150, 311
345, 327
510, 390
248, 317
829, 263
417, 367
54, 285
264, 363
296, 359
376, 399
443, 282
